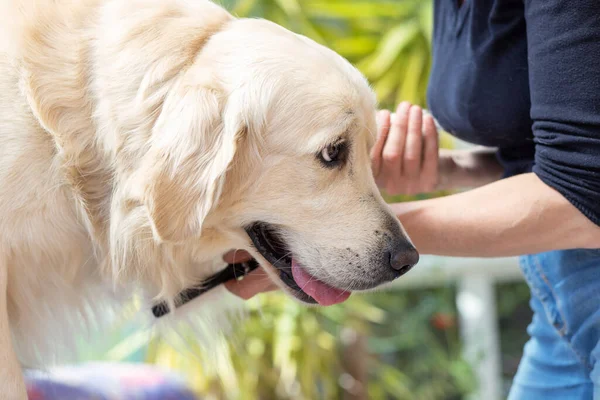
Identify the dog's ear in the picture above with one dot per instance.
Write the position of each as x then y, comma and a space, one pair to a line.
192, 146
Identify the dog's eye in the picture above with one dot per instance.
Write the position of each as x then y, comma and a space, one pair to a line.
330, 153
334, 155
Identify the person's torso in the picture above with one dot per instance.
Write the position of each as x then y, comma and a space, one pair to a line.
479, 84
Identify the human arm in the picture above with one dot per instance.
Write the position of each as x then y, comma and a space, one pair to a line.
558, 205
513, 216
506, 217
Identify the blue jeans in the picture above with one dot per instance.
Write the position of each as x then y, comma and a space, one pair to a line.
560, 361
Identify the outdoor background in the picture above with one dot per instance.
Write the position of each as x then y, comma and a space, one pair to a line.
401, 344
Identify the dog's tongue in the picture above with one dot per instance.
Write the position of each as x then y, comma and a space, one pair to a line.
324, 294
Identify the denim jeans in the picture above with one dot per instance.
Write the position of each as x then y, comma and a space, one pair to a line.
560, 361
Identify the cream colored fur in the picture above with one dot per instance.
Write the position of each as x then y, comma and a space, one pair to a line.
139, 137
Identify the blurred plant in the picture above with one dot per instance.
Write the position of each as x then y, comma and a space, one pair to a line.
387, 40
514, 314
287, 351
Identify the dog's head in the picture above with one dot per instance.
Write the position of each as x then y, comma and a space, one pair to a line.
264, 141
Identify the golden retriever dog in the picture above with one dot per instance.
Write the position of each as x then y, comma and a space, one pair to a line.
142, 139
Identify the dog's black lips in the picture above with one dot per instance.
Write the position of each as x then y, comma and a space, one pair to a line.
270, 245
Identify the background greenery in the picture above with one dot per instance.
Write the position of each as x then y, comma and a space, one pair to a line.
387, 40
389, 345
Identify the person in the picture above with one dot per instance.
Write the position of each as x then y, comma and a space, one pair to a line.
521, 79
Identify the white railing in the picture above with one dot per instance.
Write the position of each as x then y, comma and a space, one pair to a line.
475, 279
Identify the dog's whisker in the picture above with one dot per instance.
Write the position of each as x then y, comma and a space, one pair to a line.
312, 278
289, 253
347, 289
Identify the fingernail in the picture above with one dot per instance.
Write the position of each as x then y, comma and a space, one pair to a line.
404, 105
394, 118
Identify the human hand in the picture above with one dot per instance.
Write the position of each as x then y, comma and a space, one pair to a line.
405, 156
257, 281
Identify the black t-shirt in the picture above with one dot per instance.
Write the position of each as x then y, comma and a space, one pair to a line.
524, 76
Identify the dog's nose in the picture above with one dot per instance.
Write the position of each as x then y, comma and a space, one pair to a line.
403, 259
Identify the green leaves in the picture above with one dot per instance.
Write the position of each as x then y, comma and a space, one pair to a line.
387, 40
391, 46
358, 9
284, 350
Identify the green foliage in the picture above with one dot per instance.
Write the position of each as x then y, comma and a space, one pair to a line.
514, 315
388, 40
288, 351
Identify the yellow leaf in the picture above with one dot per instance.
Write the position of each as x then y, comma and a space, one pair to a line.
388, 84
415, 67
358, 9
243, 7
392, 44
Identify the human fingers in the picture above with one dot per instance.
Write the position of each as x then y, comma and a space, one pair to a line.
236, 256
383, 128
257, 281
429, 169
394, 149
411, 163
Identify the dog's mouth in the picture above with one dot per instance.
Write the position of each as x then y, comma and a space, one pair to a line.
302, 285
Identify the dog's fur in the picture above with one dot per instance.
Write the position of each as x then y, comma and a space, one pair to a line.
139, 137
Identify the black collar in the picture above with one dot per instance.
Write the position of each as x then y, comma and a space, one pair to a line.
232, 271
